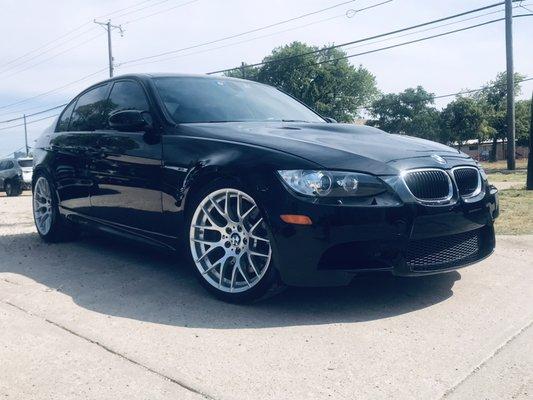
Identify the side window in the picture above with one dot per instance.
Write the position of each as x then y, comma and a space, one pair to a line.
64, 119
10, 165
91, 110
2, 165
127, 95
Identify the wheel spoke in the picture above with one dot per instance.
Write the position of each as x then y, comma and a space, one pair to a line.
233, 274
206, 253
252, 264
242, 273
256, 225
255, 253
219, 209
259, 238
247, 213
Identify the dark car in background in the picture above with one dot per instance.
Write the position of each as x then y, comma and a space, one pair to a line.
16, 175
261, 190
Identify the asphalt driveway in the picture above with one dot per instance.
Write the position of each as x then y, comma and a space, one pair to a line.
101, 319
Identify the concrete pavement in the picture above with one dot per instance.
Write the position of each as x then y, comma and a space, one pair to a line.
104, 319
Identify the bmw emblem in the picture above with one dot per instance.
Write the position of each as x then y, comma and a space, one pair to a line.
438, 159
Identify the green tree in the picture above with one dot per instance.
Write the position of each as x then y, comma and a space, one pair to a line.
523, 116
335, 89
410, 112
461, 120
493, 100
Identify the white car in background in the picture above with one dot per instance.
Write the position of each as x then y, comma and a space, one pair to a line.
16, 175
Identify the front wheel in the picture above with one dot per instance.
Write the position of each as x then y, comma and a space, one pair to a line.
12, 189
230, 245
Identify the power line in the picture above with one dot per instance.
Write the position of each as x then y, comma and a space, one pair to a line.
160, 11
31, 115
13, 152
52, 90
364, 39
419, 40
28, 123
238, 34
45, 45
343, 15
51, 57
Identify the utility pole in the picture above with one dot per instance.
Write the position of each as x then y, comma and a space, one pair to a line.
529, 183
109, 27
511, 164
26, 136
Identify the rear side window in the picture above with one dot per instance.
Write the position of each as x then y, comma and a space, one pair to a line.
64, 120
91, 110
2, 165
127, 95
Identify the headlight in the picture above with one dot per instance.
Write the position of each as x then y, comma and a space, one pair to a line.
332, 183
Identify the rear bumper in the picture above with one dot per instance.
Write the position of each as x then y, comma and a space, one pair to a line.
409, 239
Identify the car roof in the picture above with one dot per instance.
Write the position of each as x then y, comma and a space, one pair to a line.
147, 76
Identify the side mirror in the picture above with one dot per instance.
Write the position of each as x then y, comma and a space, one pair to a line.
131, 121
330, 120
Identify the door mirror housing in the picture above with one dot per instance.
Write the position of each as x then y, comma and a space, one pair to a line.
131, 121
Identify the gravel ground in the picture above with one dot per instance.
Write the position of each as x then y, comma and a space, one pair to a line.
102, 319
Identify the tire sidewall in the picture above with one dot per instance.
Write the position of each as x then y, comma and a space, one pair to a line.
55, 230
269, 279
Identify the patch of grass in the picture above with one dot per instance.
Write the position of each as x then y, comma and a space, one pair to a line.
516, 212
509, 176
501, 166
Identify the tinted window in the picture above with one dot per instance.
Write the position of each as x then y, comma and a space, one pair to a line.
25, 163
189, 99
9, 165
62, 124
2, 165
91, 110
127, 95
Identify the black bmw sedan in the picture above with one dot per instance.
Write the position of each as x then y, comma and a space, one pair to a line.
256, 189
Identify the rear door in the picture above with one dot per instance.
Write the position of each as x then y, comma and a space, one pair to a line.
127, 172
74, 145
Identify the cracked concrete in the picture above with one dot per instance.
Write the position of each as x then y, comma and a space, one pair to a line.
101, 319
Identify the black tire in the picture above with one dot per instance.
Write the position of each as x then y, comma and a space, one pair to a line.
60, 230
12, 189
269, 284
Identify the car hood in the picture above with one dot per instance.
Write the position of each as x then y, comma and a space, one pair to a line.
337, 146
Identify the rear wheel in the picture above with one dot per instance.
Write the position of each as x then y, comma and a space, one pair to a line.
49, 223
230, 245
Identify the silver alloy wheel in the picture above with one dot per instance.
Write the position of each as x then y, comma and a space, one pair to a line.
229, 241
42, 206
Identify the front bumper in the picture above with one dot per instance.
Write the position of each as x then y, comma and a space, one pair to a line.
407, 239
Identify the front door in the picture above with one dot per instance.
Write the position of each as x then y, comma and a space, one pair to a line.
127, 170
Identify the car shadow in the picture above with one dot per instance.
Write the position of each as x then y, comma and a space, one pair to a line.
122, 279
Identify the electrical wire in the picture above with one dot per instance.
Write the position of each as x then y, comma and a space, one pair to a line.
160, 11
54, 56
31, 115
28, 122
53, 90
364, 39
237, 34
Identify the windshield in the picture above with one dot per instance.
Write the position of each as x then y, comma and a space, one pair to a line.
25, 163
192, 99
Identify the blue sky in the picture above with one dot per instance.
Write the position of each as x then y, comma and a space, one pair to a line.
444, 65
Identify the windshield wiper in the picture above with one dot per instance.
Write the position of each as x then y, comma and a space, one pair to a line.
294, 120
